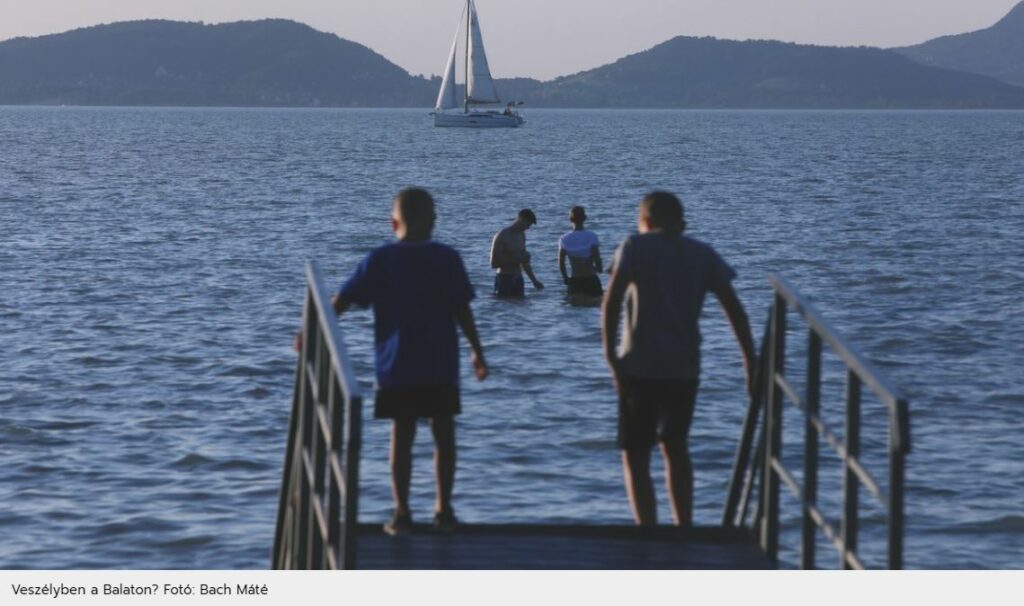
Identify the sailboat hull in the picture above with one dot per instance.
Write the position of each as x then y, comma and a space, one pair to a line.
478, 120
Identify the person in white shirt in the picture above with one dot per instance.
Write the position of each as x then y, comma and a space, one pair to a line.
582, 249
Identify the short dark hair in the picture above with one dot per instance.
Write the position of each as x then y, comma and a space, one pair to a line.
527, 215
664, 210
415, 206
577, 214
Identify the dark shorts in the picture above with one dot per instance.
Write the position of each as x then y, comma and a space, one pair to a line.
424, 402
655, 410
509, 285
586, 285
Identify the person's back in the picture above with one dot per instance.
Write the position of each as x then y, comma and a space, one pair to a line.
662, 277
581, 248
672, 275
419, 290
414, 288
508, 250
579, 245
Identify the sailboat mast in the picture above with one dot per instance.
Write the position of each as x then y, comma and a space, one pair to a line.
469, 19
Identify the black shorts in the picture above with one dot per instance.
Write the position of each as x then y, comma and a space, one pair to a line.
586, 285
423, 402
509, 285
655, 410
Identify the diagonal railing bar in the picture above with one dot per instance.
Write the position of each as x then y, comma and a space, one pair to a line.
742, 478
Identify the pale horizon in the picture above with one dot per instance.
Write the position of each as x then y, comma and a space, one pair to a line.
531, 38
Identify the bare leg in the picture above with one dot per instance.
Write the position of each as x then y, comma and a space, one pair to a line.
636, 466
444, 460
403, 432
679, 480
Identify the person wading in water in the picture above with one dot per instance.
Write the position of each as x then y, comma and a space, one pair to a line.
582, 249
510, 258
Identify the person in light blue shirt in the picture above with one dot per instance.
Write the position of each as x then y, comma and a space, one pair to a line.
582, 249
419, 291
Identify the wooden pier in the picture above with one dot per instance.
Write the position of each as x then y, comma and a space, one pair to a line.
318, 527
560, 547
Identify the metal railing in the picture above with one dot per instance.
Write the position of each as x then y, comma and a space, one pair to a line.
772, 389
317, 514
744, 477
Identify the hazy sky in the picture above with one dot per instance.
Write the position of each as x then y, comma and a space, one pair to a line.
541, 38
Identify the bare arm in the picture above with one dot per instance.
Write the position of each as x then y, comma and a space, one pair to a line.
496, 251
741, 328
528, 270
595, 256
611, 312
561, 265
464, 316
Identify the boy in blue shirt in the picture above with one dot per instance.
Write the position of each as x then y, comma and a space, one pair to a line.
419, 290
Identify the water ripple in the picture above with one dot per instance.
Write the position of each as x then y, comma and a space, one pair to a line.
151, 285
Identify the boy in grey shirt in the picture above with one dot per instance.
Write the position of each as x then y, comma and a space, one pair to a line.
663, 277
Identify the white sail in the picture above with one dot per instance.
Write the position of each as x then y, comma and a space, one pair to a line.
480, 85
479, 88
446, 96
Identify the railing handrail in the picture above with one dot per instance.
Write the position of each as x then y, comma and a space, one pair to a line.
772, 390
850, 355
318, 507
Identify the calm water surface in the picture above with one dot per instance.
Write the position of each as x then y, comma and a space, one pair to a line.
151, 276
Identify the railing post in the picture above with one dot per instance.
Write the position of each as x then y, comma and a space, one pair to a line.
851, 484
753, 483
318, 453
283, 546
303, 516
899, 439
738, 488
353, 445
773, 443
813, 404
336, 411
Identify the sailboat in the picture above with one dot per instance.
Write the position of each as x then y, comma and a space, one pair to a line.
479, 90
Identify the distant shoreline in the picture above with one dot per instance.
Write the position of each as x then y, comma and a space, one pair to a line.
277, 63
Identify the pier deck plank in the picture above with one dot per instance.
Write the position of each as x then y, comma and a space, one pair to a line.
550, 547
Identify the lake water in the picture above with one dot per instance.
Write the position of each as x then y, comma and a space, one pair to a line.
151, 279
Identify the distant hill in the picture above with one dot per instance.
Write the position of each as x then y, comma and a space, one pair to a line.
252, 63
707, 72
997, 51
283, 63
